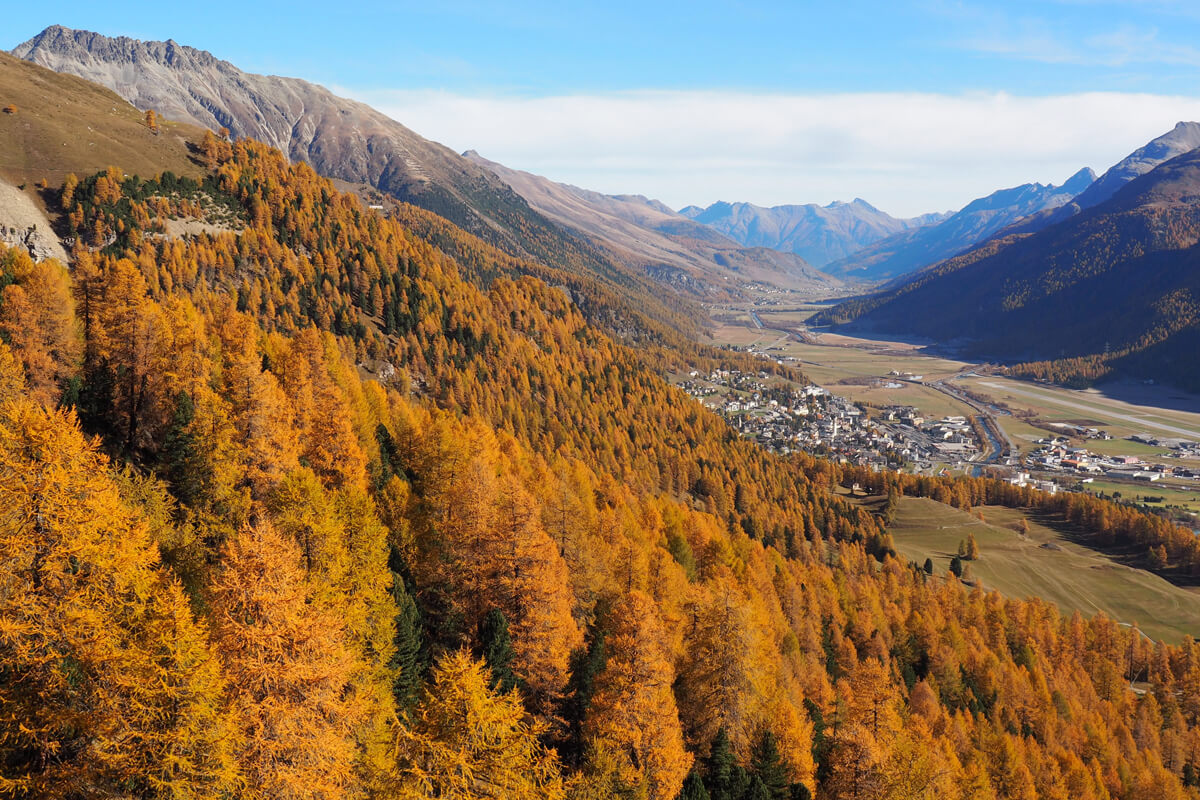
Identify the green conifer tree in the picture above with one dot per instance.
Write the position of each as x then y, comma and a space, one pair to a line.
758, 790
693, 788
586, 664
768, 768
408, 663
722, 769
180, 457
495, 648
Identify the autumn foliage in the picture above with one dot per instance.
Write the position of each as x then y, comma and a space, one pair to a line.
309, 507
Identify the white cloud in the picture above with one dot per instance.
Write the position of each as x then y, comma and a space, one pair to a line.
905, 153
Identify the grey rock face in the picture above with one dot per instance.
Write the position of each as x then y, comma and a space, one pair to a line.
39, 245
1185, 136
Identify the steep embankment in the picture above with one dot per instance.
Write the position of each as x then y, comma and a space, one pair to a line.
346, 140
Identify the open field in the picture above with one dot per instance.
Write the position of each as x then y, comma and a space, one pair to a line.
839, 358
740, 335
45, 138
931, 402
1186, 497
849, 361
785, 319
1045, 564
1117, 416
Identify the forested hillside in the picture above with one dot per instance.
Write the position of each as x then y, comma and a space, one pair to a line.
302, 502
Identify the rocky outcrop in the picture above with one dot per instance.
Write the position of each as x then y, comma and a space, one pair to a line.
24, 225
1183, 138
340, 138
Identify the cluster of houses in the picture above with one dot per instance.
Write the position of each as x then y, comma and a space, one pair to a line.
1180, 448
1057, 455
951, 438
1023, 479
786, 418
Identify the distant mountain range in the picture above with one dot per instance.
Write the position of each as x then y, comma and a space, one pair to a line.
1184, 137
350, 141
818, 234
910, 250
1114, 287
648, 234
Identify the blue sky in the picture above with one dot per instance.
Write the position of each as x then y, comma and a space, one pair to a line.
538, 46
471, 73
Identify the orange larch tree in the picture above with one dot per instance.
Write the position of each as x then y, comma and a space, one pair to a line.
633, 711
288, 669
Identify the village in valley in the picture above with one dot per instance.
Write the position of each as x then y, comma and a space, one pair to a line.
784, 417
787, 417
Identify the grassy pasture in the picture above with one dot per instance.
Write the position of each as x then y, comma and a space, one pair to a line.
1045, 564
66, 124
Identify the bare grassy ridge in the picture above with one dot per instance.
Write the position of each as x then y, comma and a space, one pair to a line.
1045, 564
43, 140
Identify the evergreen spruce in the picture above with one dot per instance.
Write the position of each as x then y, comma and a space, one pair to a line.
180, 455
768, 767
388, 457
586, 663
408, 663
693, 788
721, 768
495, 648
758, 790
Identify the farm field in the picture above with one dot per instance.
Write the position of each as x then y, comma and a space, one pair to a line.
843, 364
1045, 564
931, 402
786, 319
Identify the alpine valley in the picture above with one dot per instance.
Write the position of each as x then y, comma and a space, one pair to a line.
336, 464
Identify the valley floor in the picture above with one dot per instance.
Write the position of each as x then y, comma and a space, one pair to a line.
869, 371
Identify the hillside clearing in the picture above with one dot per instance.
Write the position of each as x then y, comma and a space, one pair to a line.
1045, 564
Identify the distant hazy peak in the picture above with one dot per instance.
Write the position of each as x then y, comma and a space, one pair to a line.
1183, 137
819, 234
1079, 181
920, 246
